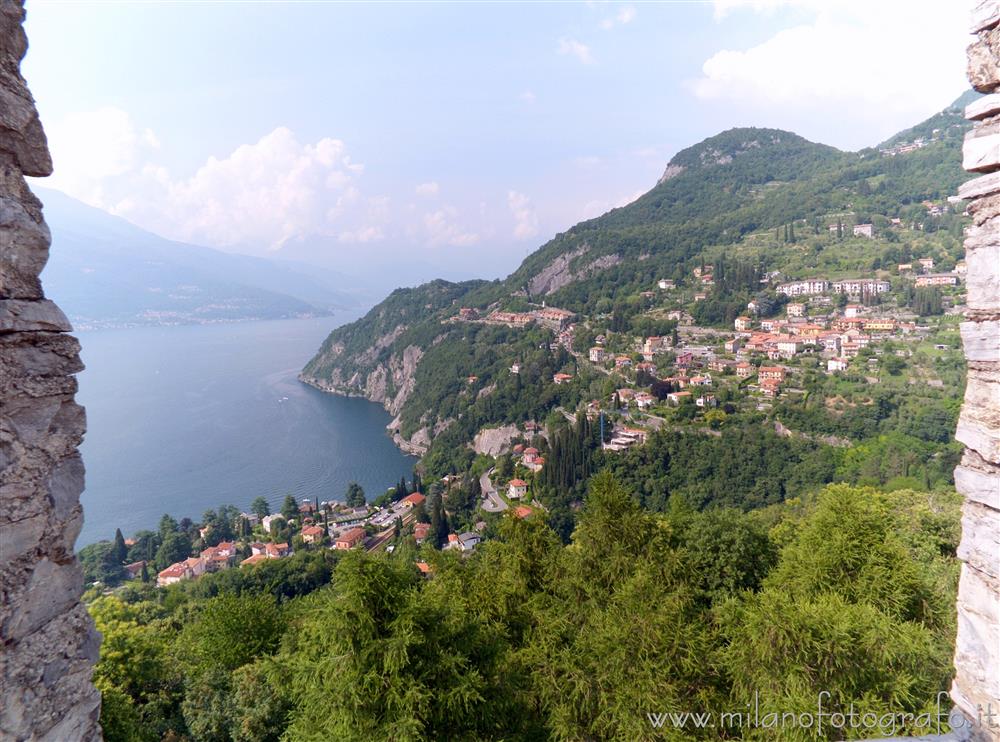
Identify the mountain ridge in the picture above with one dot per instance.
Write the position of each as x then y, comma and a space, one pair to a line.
724, 195
106, 271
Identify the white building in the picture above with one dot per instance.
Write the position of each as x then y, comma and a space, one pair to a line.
268, 521
806, 287
856, 286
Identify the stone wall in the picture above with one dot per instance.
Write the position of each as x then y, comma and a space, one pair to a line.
48, 644
976, 689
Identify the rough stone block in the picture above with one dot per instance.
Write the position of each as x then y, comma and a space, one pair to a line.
985, 14
20, 315
981, 186
986, 106
981, 341
984, 61
979, 422
980, 544
983, 278
24, 250
50, 590
977, 643
978, 480
981, 150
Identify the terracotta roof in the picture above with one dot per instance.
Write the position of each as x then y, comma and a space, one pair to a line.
174, 570
414, 499
519, 483
522, 511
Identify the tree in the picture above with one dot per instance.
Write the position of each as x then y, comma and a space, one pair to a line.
355, 497
144, 548
438, 534
100, 563
289, 508
121, 550
436, 663
167, 525
232, 631
259, 710
260, 507
175, 548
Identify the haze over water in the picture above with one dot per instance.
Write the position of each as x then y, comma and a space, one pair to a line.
183, 419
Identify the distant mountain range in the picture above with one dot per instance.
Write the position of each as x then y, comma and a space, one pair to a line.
106, 272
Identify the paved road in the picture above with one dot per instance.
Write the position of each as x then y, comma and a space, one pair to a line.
492, 503
567, 414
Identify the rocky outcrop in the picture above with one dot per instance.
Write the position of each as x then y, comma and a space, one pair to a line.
556, 274
49, 644
495, 441
559, 272
672, 171
976, 687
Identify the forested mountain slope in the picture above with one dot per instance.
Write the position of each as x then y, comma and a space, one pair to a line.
728, 197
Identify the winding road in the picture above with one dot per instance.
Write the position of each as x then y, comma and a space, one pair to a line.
492, 502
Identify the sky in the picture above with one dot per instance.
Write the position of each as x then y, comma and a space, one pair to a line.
463, 134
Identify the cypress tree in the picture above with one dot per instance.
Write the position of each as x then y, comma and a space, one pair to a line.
121, 550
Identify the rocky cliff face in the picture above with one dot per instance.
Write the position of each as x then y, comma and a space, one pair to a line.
977, 650
48, 641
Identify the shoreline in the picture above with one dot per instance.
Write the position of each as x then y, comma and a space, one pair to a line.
408, 447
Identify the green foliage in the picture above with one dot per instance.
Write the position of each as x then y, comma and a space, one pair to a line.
260, 507
380, 659
101, 563
232, 630
743, 467
849, 592
289, 508
355, 496
176, 547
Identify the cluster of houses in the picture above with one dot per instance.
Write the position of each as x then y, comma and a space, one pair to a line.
551, 317
529, 457
623, 437
212, 559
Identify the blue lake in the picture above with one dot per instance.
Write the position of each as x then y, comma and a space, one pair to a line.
183, 419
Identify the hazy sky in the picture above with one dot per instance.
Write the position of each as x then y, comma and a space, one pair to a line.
448, 129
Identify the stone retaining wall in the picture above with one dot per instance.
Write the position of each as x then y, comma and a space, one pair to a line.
48, 644
976, 689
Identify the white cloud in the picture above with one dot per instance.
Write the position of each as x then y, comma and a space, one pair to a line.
527, 96
576, 49
596, 207
90, 146
525, 216
625, 14
854, 53
441, 228
268, 192
362, 235
271, 191
427, 190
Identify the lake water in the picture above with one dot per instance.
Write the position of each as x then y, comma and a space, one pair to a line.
183, 419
